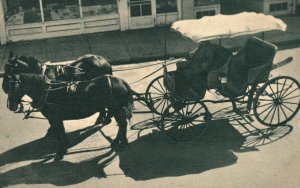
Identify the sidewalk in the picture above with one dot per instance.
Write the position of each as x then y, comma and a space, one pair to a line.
130, 46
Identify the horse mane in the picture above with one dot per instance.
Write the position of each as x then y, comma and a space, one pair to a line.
32, 62
95, 58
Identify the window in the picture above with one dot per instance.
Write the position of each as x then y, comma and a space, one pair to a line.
99, 7
140, 8
22, 12
198, 3
166, 6
60, 10
200, 14
278, 6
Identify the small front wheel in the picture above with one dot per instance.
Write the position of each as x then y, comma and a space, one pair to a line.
277, 101
158, 96
185, 120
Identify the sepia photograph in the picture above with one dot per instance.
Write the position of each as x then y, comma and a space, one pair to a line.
150, 93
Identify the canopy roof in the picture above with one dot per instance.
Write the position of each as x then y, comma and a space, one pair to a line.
227, 26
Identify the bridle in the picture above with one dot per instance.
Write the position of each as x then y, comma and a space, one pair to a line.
10, 88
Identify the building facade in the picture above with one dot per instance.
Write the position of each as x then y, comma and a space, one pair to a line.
273, 7
37, 19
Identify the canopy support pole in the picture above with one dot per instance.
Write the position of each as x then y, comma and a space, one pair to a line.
165, 33
263, 35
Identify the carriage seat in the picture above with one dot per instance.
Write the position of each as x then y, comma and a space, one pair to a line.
252, 64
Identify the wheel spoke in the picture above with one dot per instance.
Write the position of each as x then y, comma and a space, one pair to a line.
287, 89
273, 115
283, 112
162, 87
153, 93
287, 107
266, 109
164, 104
291, 103
265, 99
278, 114
161, 91
274, 94
159, 103
270, 103
196, 111
290, 92
282, 89
292, 97
268, 113
277, 87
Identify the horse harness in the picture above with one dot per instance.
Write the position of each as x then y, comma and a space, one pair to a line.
71, 88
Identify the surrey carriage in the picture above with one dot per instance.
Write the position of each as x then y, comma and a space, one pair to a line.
242, 76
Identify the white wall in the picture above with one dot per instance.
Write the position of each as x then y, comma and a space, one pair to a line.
187, 9
124, 14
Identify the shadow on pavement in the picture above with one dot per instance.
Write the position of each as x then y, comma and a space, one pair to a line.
153, 156
43, 147
60, 173
149, 157
57, 173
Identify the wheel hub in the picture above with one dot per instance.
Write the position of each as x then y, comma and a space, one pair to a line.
278, 101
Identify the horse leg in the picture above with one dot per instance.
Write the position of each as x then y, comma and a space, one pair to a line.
120, 142
104, 117
51, 131
61, 137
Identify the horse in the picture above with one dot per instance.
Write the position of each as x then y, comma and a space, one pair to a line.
85, 67
87, 98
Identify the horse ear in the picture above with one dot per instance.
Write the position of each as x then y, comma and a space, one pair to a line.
11, 58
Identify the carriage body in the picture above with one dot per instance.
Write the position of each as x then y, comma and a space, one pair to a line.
241, 77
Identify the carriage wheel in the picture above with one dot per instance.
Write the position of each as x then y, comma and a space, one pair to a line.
277, 101
185, 120
157, 95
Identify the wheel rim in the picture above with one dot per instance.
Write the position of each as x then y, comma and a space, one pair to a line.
184, 121
158, 97
278, 101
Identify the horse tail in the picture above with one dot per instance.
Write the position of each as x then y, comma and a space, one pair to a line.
130, 104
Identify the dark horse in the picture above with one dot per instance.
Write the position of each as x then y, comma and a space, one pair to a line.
86, 99
84, 68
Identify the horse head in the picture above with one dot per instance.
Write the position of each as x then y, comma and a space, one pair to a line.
19, 64
22, 84
24, 64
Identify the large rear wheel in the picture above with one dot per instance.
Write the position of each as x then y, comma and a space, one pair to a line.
185, 120
277, 101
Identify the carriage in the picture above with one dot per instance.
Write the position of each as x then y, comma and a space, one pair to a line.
242, 77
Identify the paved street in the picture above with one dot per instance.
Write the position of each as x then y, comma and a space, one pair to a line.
228, 155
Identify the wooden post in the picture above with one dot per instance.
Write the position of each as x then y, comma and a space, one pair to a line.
3, 39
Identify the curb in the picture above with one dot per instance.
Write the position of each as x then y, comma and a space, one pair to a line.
175, 55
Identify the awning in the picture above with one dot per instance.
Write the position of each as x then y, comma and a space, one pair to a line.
227, 26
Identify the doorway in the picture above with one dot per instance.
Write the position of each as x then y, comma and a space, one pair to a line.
141, 14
